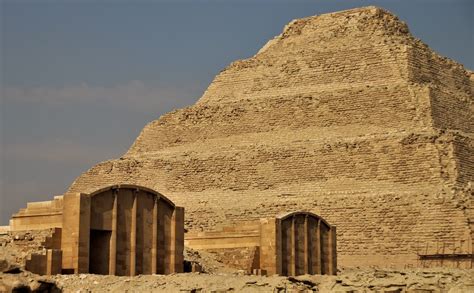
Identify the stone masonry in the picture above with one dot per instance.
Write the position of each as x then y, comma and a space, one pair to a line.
291, 244
123, 230
346, 115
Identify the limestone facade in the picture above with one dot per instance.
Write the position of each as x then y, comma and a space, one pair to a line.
122, 230
346, 115
292, 244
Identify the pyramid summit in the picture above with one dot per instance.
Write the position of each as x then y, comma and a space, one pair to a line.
347, 55
346, 115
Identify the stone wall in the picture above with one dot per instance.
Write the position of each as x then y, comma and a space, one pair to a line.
236, 245
291, 244
46, 263
444, 104
328, 112
39, 216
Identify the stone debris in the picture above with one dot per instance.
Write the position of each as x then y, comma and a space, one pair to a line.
207, 261
16, 247
400, 281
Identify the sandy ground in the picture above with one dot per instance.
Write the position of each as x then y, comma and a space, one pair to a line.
354, 280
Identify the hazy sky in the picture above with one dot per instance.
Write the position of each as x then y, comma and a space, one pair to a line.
80, 79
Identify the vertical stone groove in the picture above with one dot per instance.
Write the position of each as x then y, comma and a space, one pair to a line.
154, 245
113, 237
318, 248
307, 247
293, 247
133, 236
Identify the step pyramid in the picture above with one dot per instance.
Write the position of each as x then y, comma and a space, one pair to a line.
346, 115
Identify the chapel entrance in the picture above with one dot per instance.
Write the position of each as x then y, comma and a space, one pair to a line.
99, 251
308, 245
122, 230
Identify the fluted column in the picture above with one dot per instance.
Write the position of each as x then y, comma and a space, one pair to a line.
154, 244
307, 247
318, 248
113, 237
293, 247
133, 236
332, 257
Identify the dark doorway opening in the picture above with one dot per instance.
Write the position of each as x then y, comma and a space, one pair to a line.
99, 250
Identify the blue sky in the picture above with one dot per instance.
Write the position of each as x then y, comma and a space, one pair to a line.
80, 79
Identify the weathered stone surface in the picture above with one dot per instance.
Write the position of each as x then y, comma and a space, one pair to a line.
426, 280
118, 230
344, 114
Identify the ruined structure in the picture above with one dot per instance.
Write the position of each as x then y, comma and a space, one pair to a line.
344, 114
120, 230
292, 244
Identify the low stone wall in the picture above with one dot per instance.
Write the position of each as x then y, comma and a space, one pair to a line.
235, 245
291, 244
245, 234
46, 263
39, 215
